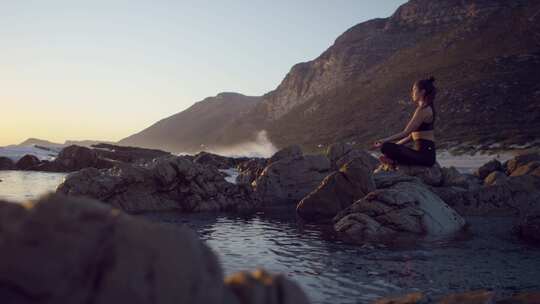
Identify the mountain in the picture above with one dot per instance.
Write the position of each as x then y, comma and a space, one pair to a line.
485, 55
38, 142
197, 128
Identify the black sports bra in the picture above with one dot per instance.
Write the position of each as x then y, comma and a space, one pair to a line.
427, 126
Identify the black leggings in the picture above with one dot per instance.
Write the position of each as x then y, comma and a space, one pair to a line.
423, 153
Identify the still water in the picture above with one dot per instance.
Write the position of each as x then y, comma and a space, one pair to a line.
488, 255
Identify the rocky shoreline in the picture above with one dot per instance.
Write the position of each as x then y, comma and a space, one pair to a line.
345, 188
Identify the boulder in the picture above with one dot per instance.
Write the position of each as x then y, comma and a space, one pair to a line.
169, 183
451, 177
532, 168
405, 207
75, 250
288, 180
6, 163
27, 162
219, 161
261, 287
74, 158
249, 170
337, 191
487, 168
294, 152
506, 198
429, 175
494, 178
519, 160
127, 154
341, 153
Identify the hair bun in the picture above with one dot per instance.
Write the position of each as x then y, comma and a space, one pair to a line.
431, 79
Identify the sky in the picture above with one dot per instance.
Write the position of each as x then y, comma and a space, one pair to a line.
105, 69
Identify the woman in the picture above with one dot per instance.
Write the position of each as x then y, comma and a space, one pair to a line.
419, 129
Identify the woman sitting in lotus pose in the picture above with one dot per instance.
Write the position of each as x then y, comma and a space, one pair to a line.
419, 129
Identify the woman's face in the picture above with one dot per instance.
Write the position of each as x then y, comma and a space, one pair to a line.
416, 94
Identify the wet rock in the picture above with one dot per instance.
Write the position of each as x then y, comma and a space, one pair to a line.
429, 175
519, 160
487, 168
532, 168
261, 287
337, 191
451, 177
74, 158
127, 154
75, 250
6, 163
407, 207
249, 170
170, 183
494, 178
507, 198
27, 162
341, 153
219, 161
294, 152
290, 179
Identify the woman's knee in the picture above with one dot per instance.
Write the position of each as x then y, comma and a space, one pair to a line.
387, 148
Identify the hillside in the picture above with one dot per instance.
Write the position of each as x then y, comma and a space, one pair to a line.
197, 128
485, 55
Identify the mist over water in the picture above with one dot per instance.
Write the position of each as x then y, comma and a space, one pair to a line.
261, 147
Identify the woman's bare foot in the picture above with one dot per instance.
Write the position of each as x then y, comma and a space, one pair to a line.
387, 161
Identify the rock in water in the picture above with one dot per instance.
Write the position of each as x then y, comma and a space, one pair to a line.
27, 162
531, 168
508, 197
516, 162
403, 207
487, 168
6, 163
290, 179
337, 191
169, 183
261, 287
75, 250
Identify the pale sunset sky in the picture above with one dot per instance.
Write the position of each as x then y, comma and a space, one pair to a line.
105, 69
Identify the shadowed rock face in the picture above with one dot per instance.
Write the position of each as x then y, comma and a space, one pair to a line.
73, 250
289, 179
170, 183
337, 191
404, 206
79, 251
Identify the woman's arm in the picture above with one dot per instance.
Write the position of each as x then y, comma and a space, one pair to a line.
404, 140
413, 124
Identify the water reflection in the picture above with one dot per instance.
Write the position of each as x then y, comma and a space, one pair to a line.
487, 256
18, 186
